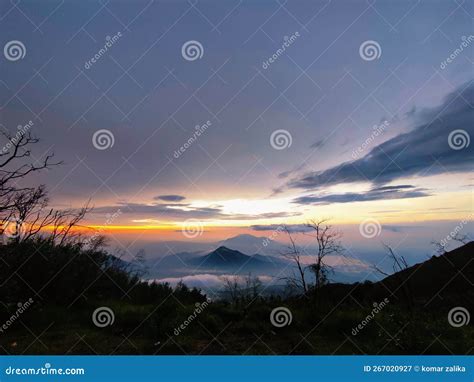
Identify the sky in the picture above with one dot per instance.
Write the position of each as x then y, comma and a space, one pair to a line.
200, 120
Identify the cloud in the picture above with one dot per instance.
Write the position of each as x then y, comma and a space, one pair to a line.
294, 170
163, 210
185, 211
293, 228
421, 152
208, 280
379, 193
318, 144
397, 228
170, 198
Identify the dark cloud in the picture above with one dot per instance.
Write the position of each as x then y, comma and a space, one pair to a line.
392, 188
184, 211
380, 193
293, 171
170, 198
421, 152
318, 144
293, 228
160, 210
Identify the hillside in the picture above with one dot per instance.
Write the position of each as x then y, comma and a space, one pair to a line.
440, 281
439, 277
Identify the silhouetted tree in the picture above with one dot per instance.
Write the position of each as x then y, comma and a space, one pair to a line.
399, 264
328, 243
298, 279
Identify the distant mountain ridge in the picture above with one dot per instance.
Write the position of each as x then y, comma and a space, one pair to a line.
232, 260
247, 243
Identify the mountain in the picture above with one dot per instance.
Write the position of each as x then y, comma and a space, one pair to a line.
449, 274
176, 265
230, 260
246, 243
439, 282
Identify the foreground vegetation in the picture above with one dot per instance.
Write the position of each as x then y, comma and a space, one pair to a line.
67, 283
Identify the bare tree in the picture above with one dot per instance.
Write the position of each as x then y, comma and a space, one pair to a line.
26, 207
232, 288
16, 165
328, 243
399, 264
438, 248
253, 286
298, 279
461, 238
